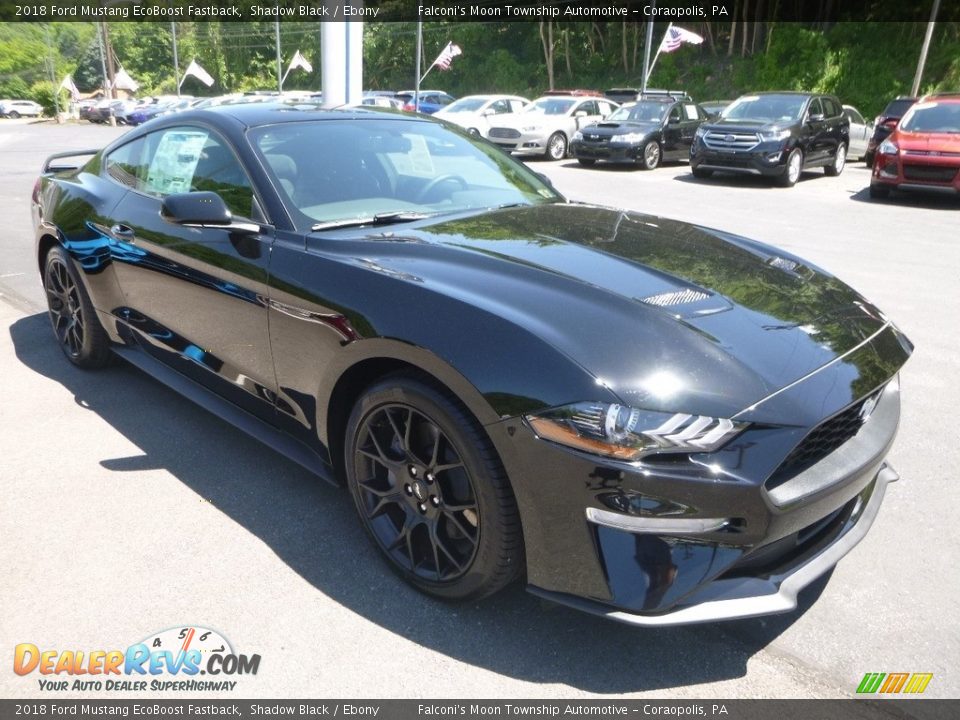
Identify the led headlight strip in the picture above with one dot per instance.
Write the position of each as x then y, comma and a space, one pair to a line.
628, 433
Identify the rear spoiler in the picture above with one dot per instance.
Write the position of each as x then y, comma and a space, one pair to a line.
50, 167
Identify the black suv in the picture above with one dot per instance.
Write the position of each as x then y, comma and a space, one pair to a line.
774, 134
659, 126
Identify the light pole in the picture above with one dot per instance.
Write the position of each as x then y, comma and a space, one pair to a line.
915, 90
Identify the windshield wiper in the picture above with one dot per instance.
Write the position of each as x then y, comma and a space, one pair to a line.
384, 218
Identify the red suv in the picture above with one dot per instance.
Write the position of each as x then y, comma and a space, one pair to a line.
924, 151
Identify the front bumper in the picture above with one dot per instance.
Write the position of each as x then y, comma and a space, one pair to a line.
917, 171
744, 597
609, 151
531, 142
768, 159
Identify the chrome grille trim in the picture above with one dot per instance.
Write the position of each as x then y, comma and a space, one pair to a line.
716, 140
500, 132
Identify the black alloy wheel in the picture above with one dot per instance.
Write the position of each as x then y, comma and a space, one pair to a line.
430, 491
72, 316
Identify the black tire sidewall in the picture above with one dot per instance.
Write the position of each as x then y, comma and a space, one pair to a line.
485, 573
95, 349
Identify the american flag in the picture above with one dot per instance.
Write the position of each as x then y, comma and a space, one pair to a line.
447, 55
675, 37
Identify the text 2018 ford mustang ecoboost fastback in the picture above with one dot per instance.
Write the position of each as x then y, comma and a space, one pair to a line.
655, 421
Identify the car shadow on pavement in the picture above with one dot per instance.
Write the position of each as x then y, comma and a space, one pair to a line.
912, 198
745, 181
312, 527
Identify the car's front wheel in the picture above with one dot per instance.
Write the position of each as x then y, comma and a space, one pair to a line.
431, 491
791, 173
75, 324
650, 158
557, 146
14, 114
839, 162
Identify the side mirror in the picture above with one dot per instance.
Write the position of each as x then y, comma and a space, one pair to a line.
816, 117
673, 120
488, 112
580, 113
202, 209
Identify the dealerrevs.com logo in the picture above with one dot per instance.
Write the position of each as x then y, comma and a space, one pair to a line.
183, 658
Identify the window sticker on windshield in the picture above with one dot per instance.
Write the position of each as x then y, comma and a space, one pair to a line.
171, 170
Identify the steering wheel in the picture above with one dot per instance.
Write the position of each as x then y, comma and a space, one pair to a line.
429, 187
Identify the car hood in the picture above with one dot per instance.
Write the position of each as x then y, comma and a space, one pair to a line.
724, 125
522, 120
667, 315
610, 128
928, 142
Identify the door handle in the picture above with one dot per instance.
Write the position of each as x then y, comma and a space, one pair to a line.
122, 231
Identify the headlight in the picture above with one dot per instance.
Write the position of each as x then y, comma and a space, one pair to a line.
577, 135
888, 148
769, 135
628, 433
701, 131
630, 137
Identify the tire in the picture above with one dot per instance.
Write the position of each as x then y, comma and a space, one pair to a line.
587, 162
701, 173
879, 191
791, 173
868, 159
556, 147
473, 131
75, 324
14, 114
839, 162
651, 156
448, 523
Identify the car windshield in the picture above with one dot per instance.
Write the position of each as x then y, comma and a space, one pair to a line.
341, 171
766, 108
550, 106
932, 117
640, 112
466, 105
897, 108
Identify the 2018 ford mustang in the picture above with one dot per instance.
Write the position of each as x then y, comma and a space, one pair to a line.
655, 421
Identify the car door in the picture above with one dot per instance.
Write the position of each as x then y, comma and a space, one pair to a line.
673, 132
196, 296
813, 135
838, 126
859, 132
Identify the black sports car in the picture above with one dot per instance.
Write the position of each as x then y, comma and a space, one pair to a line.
650, 420
647, 132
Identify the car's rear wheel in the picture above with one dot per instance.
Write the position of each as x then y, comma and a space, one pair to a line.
839, 162
701, 173
879, 191
75, 323
557, 146
431, 491
791, 173
586, 162
650, 158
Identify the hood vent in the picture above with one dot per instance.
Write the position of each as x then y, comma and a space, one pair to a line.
677, 297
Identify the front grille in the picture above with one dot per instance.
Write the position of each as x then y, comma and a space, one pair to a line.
504, 132
595, 138
716, 140
929, 173
821, 441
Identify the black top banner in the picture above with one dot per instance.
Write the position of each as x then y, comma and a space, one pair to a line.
477, 10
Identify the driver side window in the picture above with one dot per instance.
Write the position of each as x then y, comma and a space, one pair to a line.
189, 159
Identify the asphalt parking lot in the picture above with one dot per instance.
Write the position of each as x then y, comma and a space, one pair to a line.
127, 510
